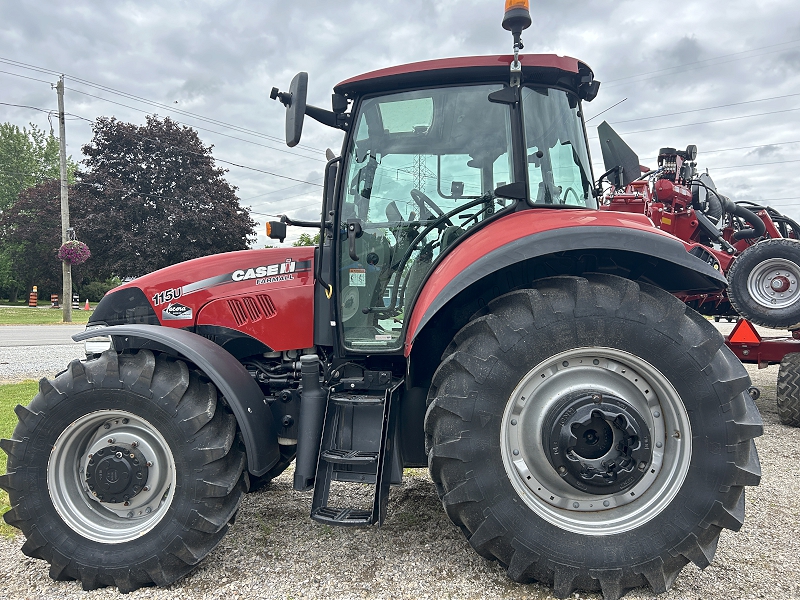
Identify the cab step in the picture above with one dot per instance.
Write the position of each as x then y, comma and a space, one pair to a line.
357, 447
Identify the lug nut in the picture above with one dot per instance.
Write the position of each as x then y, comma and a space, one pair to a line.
134, 444
562, 469
149, 463
110, 440
146, 488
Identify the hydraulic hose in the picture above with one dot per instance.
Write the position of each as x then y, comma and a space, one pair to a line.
757, 229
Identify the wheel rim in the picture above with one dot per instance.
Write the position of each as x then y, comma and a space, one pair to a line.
111, 476
561, 395
773, 283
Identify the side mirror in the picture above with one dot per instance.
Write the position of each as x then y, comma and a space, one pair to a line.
295, 102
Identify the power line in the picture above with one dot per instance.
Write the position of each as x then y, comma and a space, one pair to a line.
200, 128
26, 77
774, 112
190, 151
683, 112
617, 81
152, 102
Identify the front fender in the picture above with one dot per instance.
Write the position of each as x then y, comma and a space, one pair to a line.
232, 380
662, 258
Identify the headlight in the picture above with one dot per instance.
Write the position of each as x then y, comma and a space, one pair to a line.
99, 344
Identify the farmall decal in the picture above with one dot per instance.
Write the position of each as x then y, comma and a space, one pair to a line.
263, 274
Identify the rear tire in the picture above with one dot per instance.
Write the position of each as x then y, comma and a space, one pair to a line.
144, 419
764, 283
789, 390
650, 371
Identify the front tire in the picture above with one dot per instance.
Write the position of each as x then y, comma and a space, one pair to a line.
764, 283
125, 470
592, 433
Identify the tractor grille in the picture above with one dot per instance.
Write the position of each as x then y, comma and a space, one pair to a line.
251, 308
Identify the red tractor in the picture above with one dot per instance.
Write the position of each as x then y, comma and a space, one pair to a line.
468, 309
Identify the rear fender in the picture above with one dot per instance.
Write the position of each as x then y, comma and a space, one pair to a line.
649, 255
232, 380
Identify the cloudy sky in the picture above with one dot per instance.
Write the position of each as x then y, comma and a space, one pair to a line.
724, 75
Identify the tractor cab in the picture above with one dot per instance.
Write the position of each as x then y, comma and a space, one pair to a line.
433, 151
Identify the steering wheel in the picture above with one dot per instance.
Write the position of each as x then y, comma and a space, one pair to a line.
566, 195
421, 199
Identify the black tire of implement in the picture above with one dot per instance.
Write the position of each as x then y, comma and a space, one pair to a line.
517, 331
789, 390
209, 463
261, 482
740, 270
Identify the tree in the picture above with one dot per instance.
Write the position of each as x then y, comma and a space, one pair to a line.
27, 157
30, 231
151, 196
305, 239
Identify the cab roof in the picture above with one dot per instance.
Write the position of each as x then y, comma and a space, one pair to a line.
536, 68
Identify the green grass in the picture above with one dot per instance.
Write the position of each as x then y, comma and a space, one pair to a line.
39, 316
10, 395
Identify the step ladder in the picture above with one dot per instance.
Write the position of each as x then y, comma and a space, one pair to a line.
357, 447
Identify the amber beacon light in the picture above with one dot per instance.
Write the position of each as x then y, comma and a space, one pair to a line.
517, 16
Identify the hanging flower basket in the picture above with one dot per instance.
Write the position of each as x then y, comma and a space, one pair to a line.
74, 252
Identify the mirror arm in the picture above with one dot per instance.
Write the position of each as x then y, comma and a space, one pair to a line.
328, 117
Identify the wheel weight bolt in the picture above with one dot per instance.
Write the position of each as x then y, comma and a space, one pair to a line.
125, 421
562, 469
642, 466
148, 510
106, 425
130, 515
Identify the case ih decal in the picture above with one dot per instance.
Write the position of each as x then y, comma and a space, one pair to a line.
263, 274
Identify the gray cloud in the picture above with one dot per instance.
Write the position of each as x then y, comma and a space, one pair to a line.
221, 59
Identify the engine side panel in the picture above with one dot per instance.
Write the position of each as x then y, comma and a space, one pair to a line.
266, 294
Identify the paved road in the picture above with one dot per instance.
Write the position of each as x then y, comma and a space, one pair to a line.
38, 335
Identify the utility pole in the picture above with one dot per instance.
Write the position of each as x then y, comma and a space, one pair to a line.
66, 268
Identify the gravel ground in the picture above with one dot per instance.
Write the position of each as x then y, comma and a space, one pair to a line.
34, 362
275, 551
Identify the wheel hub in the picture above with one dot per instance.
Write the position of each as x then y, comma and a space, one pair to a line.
117, 473
597, 443
774, 283
595, 440
780, 283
